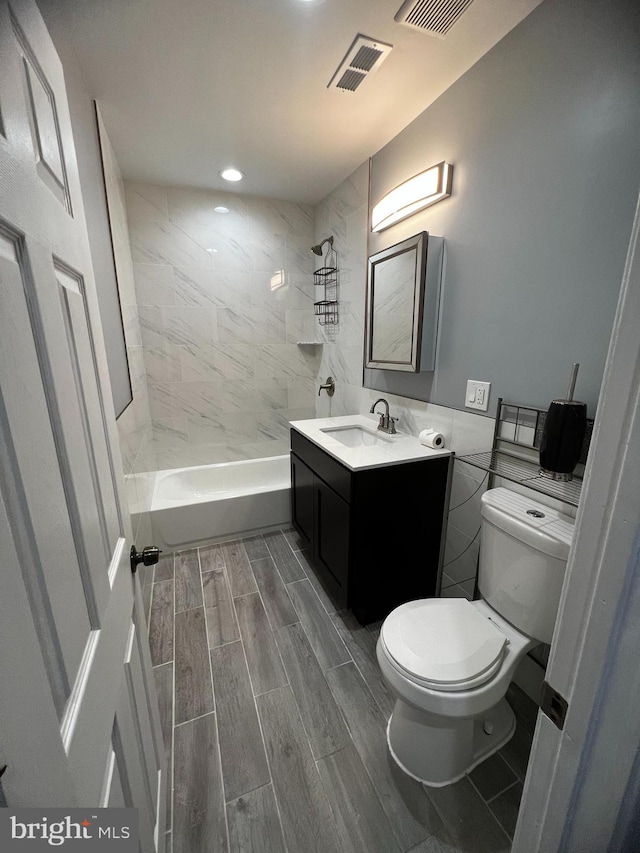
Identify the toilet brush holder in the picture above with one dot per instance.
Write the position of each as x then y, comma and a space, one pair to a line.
563, 434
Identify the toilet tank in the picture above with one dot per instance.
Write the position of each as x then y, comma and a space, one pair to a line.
523, 556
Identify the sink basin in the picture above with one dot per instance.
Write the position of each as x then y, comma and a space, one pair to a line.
356, 436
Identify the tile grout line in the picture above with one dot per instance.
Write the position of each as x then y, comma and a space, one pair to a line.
306, 575
266, 613
250, 791
304, 728
484, 803
255, 703
193, 719
328, 615
246, 595
275, 563
188, 609
273, 628
234, 613
215, 707
360, 673
258, 593
500, 793
222, 645
513, 769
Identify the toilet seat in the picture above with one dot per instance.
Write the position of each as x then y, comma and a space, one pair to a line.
444, 644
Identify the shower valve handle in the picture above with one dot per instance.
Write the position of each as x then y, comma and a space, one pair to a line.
329, 386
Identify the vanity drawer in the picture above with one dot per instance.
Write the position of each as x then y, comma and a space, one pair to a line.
324, 466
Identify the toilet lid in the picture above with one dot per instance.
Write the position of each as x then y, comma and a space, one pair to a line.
443, 642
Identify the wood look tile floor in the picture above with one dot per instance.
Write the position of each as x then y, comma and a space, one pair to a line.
274, 716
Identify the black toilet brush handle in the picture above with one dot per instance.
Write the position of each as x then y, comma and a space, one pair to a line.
572, 380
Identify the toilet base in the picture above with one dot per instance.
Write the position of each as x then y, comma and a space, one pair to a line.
438, 751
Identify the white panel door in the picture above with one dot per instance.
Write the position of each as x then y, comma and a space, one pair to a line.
80, 722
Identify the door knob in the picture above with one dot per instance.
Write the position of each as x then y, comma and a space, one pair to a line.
149, 556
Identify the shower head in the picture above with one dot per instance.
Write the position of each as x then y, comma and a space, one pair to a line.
317, 250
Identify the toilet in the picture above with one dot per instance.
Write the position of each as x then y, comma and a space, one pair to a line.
449, 661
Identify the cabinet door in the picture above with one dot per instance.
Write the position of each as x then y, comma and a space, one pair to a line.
331, 543
302, 499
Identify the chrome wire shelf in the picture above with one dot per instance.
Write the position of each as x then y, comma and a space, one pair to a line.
515, 453
326, 311
525, 472
325, 275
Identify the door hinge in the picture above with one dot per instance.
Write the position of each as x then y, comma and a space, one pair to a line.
553, 705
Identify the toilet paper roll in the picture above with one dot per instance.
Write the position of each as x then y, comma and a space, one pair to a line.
431, 438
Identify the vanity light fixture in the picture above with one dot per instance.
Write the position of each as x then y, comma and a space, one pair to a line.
231, 174
413, 195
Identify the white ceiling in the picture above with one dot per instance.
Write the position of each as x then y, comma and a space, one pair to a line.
187, 87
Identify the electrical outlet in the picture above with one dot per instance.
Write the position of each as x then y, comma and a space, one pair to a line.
477, 396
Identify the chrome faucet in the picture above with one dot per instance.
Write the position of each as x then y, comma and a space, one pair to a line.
387, 423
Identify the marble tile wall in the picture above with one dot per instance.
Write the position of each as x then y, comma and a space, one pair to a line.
134, 424
343, 215
222, 299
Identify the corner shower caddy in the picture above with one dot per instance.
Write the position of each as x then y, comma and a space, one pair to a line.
514, 453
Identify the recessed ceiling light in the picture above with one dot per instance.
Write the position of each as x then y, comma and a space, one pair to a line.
231, 174
221, 209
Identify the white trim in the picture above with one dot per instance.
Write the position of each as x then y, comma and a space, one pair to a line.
593, 661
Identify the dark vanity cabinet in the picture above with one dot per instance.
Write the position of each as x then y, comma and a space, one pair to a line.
373, 536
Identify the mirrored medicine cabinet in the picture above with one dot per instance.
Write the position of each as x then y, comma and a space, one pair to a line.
403, 293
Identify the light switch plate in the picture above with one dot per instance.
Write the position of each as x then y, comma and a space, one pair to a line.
477, 395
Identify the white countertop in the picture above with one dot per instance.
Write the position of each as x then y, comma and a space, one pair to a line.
397, 448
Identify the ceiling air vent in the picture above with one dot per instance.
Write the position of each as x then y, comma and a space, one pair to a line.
435, 17
363, 57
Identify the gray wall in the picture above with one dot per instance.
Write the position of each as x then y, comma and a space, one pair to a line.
544, 136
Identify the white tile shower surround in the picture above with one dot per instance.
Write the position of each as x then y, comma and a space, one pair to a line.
218, 335
274, 714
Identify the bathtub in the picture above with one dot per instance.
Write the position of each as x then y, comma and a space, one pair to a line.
209, 502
